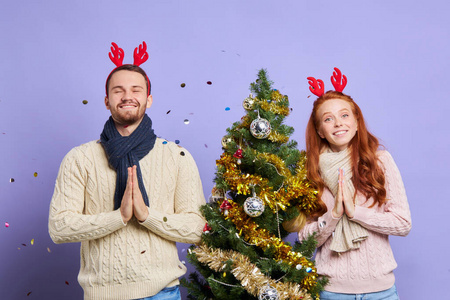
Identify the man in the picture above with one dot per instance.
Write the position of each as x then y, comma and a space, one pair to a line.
128, 198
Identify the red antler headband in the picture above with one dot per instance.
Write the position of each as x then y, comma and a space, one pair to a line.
140, 56
338, 80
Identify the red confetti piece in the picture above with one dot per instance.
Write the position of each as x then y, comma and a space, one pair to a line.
67, 282
143, 252
6, 224
308, 96
24, 245
209, 82
29, 293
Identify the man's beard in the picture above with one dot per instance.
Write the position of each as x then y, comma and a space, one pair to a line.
127, 117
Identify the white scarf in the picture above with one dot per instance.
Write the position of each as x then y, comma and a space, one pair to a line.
348, 234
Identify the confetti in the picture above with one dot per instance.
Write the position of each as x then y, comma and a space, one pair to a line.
206, 146
85, 102
143, 252
67, 282
32, 242
182, 153
209, 82
186, 121
165, 142
48, 249
29, 293
6, 224
35, 174
308, 96
177, 142
24, 245
227, 108
168, 112
11, 180
183, 85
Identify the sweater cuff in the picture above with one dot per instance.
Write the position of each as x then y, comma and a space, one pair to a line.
117, 221
154, 220
327, 220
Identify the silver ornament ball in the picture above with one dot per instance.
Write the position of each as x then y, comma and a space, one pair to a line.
253, 206
260, 128
268, 293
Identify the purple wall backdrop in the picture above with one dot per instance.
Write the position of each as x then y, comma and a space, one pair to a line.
53, 55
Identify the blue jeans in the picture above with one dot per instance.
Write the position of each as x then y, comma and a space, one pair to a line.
390, 294
170, 293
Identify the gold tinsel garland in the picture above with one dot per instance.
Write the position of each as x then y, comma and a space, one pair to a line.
250, 276
262, 238
295, 186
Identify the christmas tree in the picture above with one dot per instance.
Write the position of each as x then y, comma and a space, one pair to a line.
260, 190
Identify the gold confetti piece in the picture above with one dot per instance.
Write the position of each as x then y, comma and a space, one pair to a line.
183, 85
85, 102
32, 242
48, 249
11, 180
35, 174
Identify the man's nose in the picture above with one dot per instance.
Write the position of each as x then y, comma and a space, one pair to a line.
126, 95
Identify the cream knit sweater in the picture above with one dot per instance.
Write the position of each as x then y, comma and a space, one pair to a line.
135, 260
369, 268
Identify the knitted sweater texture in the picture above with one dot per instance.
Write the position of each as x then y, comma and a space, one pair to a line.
133, 260
369, 268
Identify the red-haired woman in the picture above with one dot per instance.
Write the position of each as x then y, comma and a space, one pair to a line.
362, 198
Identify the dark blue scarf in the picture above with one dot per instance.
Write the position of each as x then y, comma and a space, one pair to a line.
126, 151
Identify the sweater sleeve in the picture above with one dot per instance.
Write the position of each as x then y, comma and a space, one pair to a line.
66, 222
395, 217
186, 224
324, 226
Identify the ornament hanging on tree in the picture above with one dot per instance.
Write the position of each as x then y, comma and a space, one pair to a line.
226, 141
216, 195
253, 206
260, 128
225, 206
238, 155
207, 228
268, 293
249, 102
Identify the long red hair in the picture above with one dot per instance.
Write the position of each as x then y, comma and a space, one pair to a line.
368, 177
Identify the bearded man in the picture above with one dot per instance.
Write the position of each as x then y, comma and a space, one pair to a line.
128, 197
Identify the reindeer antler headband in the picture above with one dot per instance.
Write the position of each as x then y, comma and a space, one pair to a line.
140, 56
338, 80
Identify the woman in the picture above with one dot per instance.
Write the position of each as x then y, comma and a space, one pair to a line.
361, 195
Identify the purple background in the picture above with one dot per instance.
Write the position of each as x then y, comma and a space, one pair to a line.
53, 55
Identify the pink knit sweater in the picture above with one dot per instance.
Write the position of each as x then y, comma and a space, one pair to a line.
369, 268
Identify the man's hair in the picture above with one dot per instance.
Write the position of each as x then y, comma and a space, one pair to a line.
132, 68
